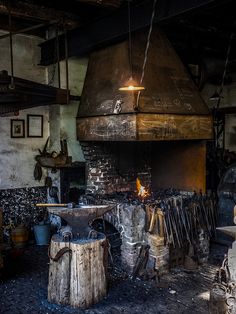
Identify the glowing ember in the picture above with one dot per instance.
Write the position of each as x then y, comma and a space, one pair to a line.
141, 189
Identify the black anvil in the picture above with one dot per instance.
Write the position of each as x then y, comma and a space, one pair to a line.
79, 218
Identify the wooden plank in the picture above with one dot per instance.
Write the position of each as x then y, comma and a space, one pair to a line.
162, 127
107, 128
37, 12
144, 127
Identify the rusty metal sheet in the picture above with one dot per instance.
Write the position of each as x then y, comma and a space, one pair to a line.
169, 87
107, 128
180, 164
107, 70
158, 127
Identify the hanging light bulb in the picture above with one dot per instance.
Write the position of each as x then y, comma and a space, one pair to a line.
215, 96
131, 84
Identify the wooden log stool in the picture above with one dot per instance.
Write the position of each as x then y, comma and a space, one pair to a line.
77, 271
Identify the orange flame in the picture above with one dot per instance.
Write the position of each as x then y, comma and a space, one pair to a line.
142, 192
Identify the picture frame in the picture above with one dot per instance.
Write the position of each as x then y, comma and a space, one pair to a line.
34, 125
17, 128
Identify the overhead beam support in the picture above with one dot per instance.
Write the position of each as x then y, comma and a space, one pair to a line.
112, 28
38, 13
102, 3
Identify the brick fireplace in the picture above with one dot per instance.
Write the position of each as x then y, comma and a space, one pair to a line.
158, 136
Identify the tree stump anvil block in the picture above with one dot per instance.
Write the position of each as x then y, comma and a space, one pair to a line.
78, 218
77, 271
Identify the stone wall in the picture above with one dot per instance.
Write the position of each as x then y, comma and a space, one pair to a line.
19, 206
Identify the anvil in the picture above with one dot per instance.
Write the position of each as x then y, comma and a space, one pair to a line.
229, 230
78, 218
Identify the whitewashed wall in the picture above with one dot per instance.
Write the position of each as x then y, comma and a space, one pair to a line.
17, 154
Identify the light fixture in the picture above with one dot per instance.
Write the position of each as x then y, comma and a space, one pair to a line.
131, 84
216, 96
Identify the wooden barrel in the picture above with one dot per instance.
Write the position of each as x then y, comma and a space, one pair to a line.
19, 236
78, 277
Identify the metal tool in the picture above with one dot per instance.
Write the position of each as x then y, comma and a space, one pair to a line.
68, 205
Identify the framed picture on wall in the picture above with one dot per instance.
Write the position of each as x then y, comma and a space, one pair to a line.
34, 125
17, 128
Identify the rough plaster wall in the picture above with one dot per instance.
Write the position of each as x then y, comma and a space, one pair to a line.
17, 154
65, 115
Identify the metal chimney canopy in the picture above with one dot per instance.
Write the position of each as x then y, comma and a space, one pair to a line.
170, 107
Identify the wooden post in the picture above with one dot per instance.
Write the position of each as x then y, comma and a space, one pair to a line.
78, 278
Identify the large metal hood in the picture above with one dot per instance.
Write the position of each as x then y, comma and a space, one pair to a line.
170, 108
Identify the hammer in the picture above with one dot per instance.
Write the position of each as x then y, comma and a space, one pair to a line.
68, 205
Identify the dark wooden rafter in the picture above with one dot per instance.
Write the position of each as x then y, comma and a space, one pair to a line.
38, 13
104, 3
111, 28
27, 94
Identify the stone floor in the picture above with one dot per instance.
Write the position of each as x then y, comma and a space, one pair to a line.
23, 288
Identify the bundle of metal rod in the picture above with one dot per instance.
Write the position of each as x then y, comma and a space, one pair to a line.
184, 216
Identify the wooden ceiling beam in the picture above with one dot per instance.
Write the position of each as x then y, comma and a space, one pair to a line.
112, 28
38, 13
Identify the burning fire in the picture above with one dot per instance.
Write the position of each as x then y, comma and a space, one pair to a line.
142, 192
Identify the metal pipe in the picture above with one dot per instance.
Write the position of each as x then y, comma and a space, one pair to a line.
58, 60
11, 51
67, 70
28, 29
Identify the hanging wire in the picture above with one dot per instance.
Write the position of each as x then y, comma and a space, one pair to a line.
222, 85
148, 40
226, 64
146, 51
130, 39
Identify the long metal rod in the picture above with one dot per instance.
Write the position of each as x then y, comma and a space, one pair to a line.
67, 68
58, 60
28, 29
11, 50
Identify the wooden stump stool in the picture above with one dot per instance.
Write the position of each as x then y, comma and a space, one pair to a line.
77, 271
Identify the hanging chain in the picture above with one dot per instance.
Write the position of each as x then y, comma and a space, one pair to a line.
12, 85
148, 40
130, 44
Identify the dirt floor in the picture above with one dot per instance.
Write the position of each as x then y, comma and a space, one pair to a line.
23, 288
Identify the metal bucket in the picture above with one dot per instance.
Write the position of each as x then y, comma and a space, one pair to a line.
42, 234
